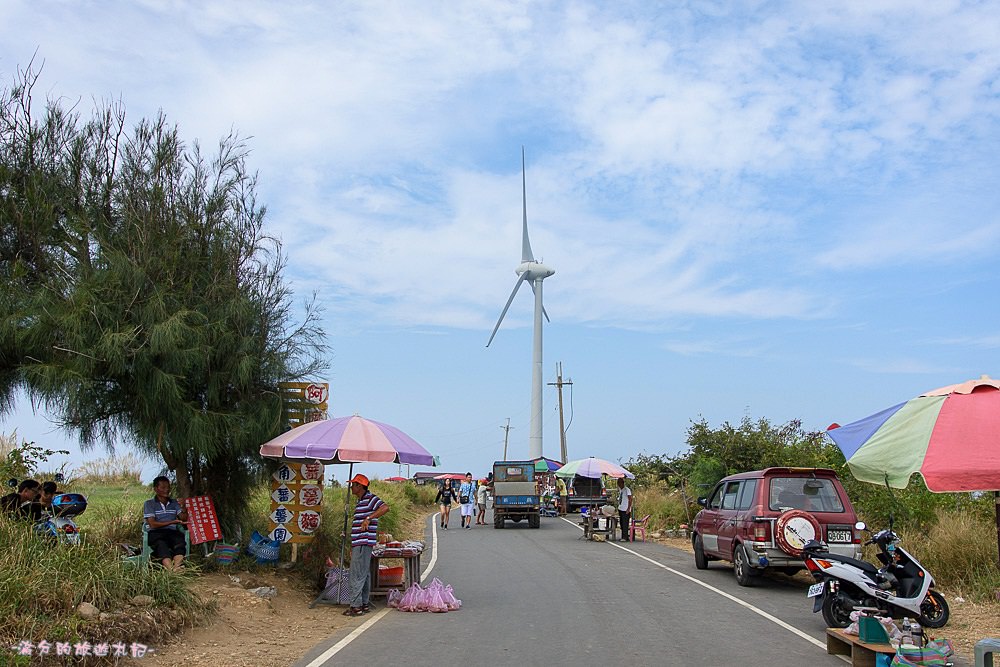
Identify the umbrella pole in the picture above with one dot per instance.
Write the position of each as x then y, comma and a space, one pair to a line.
996, 500
347, 505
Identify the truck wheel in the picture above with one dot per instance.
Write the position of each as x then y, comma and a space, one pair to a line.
498, 521
534, 521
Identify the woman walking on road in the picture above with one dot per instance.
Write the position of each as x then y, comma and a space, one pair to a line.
467, 497
445, 497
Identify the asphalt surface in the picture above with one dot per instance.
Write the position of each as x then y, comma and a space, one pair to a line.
545, 596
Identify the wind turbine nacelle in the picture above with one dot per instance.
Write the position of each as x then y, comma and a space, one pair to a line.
535, 270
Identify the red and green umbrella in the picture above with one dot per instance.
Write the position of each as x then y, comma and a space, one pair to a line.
951, 436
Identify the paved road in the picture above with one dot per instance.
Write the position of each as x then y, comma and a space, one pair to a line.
544, 596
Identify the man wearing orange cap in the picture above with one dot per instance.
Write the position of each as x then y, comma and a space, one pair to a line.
364, 530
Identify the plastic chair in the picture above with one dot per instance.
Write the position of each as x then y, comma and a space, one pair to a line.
985, 651
639, 526
147, 551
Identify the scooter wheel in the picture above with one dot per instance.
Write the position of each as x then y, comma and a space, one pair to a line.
934, 610
835, 614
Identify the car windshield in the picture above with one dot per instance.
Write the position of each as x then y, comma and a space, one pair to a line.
804, 493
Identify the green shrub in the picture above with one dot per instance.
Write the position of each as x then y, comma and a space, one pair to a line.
665, 507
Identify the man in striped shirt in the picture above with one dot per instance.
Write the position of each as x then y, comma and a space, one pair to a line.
364, 531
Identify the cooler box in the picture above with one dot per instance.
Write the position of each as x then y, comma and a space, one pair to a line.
69, 504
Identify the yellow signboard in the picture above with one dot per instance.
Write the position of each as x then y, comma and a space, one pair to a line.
304, 402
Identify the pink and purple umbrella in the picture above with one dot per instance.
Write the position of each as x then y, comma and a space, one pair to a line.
951, 436
348, 440
594, 468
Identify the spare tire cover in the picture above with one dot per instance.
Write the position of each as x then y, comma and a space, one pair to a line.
793, 529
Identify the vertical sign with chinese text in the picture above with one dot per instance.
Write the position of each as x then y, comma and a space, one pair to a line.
296, 500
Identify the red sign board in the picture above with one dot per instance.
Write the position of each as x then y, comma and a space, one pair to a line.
202, 521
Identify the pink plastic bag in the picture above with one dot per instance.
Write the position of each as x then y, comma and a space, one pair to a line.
448, 597
434, 601
393, 598
411, 598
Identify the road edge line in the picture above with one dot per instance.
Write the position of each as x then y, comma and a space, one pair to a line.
760, 612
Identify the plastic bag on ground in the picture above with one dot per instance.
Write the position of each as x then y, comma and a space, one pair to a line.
411, 599
448, 596
434, 602
393, 598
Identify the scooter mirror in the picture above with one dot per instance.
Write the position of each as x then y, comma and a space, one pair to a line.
860, 525
59, 478
12, 483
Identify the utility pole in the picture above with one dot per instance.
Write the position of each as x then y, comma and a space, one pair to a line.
562, 428
506, 432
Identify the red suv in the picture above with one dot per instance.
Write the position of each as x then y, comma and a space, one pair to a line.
763, 518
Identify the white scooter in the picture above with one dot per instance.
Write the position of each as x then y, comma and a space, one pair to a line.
901, 587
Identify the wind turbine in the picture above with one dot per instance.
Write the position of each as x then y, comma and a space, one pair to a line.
531, 272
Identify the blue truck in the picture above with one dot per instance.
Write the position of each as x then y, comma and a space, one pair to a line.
515, 493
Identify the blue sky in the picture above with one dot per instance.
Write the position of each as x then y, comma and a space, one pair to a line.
782, 210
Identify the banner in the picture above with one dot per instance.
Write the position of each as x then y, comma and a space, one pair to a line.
202, 520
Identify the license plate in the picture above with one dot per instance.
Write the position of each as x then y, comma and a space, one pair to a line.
839, 536
814, 590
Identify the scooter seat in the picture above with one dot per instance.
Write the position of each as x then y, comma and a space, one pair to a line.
867, 567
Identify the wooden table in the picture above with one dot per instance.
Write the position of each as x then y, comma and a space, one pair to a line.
862, 653
411, 573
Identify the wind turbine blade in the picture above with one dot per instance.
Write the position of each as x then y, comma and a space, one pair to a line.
526, 255
543, 307
520, 280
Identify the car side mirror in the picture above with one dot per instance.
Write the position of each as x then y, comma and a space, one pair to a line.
860, 525
703, 502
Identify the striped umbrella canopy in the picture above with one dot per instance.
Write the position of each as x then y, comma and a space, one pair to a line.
951, 436
348, 440
593, 467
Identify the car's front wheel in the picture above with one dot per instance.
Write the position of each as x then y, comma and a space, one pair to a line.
700, 559
741, 567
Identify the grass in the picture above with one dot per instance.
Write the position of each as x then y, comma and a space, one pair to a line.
43, 583
666, 508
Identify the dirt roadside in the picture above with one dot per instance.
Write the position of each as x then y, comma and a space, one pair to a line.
248, 630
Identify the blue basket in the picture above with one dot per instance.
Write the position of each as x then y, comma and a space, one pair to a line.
263, 549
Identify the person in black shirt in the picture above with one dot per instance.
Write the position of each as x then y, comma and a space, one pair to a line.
445, 496
23, 503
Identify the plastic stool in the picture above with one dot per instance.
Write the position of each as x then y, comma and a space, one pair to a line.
985, 649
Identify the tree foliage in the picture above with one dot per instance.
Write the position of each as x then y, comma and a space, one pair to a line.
714, 453
147, 303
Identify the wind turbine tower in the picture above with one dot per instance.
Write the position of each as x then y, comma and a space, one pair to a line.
531, 272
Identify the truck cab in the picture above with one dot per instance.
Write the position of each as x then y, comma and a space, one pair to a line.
515, 493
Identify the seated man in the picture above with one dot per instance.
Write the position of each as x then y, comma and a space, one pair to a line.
49, 491
24, 502
164, 515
